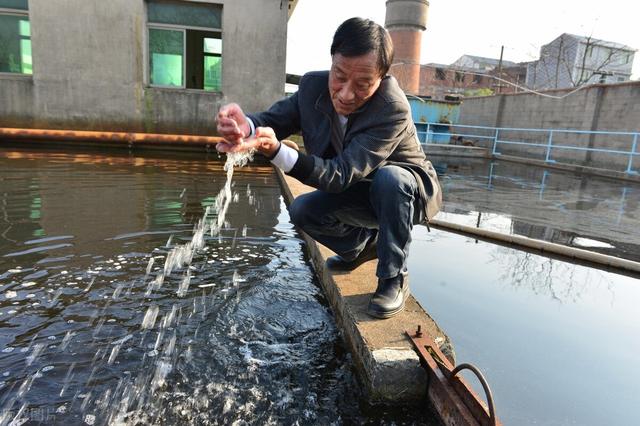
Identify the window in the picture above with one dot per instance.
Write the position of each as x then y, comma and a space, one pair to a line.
459, 76
440, 74
185, 45
477, 78
15, 37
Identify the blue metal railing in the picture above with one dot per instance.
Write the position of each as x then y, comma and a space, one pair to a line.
496, 137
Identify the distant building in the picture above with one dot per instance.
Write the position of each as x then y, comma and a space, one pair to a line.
438, 80
572, 60
480, 63
471, 76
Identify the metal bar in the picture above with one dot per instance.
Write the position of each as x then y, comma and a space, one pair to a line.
575, 148
452, 397
549, 145
508, 142
633, 152
610, 151
463, 135
428, 127
602, 132
495, 142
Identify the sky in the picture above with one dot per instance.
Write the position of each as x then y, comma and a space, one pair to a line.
459, 27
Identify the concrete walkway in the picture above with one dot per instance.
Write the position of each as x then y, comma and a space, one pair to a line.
385, 361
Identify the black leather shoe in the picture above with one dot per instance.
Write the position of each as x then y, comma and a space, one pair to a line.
389, 298
337, 263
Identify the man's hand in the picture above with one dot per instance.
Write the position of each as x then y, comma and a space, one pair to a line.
232, 124
265, 142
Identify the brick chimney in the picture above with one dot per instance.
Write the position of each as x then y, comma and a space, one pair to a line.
405, 20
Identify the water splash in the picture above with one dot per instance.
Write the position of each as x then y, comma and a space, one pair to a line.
150, 317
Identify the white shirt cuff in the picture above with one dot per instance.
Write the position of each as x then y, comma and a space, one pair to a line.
252, 128
285, 158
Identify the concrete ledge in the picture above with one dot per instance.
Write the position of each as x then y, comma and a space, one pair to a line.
385, 361
434, 149
575, 168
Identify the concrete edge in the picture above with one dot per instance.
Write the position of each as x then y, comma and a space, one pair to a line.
606, 173
386, 364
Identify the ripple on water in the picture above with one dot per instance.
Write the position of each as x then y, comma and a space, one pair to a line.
247, 341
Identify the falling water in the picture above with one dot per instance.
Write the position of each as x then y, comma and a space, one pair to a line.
131, 391
159, 333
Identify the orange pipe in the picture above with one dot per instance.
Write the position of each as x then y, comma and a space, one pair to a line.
113, 137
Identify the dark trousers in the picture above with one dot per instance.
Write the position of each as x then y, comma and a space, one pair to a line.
345, 221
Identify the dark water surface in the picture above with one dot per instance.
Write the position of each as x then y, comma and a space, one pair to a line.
84, 338
559, 343
581, 211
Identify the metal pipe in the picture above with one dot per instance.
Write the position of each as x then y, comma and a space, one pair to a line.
129, 138
549, 145
544, 246
632, 153
495, 142
485, 386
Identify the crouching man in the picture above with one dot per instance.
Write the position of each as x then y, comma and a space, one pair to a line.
372, 178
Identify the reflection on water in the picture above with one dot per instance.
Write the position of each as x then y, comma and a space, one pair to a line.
91, 334
576, 210
557, 342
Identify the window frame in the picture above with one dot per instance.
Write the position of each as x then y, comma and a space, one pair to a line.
184, 29
184, 54
18, 12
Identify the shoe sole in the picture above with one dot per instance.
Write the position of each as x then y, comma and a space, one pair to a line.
385, 314
389, 314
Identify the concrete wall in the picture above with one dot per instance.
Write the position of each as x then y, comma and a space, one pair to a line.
614, 107
90, 69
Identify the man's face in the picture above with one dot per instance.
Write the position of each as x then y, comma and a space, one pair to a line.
352, 81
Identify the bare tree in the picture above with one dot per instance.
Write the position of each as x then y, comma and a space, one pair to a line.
572, 61
611, 57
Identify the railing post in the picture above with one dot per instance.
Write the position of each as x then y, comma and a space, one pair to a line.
495, 142
549, 145
427, 138
633, 152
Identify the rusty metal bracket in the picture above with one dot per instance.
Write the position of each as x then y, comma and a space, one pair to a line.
452, 397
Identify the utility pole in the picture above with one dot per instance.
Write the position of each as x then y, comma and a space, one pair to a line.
500, 69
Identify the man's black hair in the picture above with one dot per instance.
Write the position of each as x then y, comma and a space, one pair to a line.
358, 36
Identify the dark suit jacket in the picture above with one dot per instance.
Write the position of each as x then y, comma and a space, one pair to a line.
381, 132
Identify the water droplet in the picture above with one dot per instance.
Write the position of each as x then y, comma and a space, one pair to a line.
150, 317
114, 354
37, 350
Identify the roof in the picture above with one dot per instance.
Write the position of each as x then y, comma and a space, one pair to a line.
598, 42
489, 61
